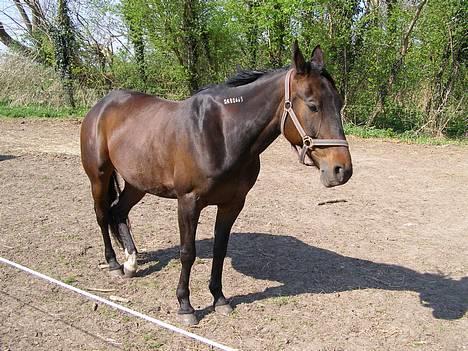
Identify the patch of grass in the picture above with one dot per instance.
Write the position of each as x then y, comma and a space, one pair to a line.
109, 312
69, 280
151, 342
149, 283
154, 344
174, 263
409, 137
199, 260
13, 111
126, 319
283, 300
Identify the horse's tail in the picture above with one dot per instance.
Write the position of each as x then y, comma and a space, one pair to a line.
114, 193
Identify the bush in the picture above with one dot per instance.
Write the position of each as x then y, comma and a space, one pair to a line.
24, 82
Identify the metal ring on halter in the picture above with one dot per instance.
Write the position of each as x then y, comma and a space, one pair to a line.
287, 105
307, 142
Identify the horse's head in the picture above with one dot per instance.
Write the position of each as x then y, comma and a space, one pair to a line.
317, 105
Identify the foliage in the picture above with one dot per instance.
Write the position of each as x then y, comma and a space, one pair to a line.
409, 137
26, 82
400, 65
8, 110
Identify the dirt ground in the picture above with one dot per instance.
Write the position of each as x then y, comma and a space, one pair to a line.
377, 264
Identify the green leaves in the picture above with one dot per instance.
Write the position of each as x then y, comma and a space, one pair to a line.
170, 48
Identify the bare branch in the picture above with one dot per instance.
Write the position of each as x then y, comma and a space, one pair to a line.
404, 47
11, 43
39, 20
24, 15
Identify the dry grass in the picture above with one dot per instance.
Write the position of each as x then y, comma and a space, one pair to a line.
24, 82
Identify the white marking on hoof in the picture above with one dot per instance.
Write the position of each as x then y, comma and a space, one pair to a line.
130, 266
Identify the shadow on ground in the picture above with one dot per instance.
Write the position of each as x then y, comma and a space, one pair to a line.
302, 268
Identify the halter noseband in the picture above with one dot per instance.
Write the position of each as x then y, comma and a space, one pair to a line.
308, 143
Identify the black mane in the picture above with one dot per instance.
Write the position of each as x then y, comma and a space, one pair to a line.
244, 77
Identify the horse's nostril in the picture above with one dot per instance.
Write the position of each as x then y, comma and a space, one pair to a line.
339, 170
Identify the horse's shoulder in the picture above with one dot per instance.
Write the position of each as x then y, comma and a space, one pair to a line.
204, 105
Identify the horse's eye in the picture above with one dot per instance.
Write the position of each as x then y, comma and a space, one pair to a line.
313, 108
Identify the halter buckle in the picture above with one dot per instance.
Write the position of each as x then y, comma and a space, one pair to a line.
307, 142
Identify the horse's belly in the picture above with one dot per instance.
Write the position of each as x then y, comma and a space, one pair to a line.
163, 191
151, 185
149, 179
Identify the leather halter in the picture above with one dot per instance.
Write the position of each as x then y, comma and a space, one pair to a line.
308, 143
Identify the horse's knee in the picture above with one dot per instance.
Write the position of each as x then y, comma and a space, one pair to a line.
101, 220
187, 256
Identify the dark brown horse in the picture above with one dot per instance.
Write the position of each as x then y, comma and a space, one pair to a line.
205, 151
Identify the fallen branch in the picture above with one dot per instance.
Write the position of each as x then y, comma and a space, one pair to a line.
118, 299
99, 290
103, 265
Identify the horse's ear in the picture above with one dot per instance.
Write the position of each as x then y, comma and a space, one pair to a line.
317, 57
298, 59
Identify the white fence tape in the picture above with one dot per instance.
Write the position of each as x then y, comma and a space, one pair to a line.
119, 307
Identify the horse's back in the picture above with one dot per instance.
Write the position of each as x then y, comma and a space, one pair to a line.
159, 146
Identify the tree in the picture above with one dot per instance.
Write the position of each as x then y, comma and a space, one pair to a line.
35, 27
64, 40
133, 13
396, 66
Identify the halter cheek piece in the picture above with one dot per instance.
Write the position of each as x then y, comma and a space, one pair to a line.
308, 143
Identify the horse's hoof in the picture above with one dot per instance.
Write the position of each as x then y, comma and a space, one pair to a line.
116, 273
224, 309
129, 273
188, 319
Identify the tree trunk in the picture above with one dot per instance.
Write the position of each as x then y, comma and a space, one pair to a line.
191, 43
386, 87
136, 37
11, 43
24, 16
277, 34
252, 35
64, 50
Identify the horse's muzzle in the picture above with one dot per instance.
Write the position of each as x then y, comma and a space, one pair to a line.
333, 175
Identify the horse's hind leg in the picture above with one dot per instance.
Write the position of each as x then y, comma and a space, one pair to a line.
129, 197
100, 188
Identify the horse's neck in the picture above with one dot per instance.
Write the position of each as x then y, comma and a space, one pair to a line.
256, 124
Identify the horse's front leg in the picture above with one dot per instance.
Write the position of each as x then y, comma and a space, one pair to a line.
188, 214
225, 218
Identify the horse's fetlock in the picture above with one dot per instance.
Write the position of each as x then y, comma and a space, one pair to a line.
182, 294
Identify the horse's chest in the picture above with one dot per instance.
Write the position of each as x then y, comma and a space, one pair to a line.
234, 184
